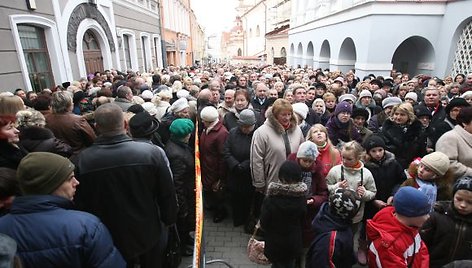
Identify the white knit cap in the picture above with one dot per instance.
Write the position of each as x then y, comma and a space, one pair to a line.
209, 114
365, 93
308, 149
347, 97
179, 105
411, 95
150, 108
147, 95
182, 93
438, 162
301, 109
391, 101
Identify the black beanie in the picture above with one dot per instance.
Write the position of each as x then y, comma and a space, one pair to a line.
373, 141
290, 172
41, 173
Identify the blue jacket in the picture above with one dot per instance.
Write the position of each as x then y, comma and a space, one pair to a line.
333, 243
50, 234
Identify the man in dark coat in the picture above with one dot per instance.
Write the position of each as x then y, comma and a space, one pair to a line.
49, 233
128, 185
432, 101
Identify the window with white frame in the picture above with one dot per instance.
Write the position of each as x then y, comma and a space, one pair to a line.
126, 48
36, 55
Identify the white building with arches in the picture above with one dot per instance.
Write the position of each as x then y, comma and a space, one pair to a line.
376, 36
45, 43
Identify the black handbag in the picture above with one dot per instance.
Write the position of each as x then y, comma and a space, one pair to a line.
173, 256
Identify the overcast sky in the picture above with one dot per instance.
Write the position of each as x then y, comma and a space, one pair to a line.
215, 16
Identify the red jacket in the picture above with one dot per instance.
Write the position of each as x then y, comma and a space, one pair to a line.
394, 244
324, 160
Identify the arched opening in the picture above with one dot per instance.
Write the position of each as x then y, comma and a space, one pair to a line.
299, 58
347, 55
325, 55
283, 53
309, 54
292, 54
92, 53
414, 55
258, 31
240, 52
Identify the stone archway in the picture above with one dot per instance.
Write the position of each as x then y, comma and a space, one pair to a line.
299, 57
347, 55
325, 55
309, 54
80, 13
415, 55
292, 54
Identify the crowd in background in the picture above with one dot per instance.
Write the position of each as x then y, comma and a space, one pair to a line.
307, 157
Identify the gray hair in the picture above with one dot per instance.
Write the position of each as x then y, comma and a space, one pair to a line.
61, 102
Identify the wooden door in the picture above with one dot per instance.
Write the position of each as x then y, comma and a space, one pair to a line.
92, 53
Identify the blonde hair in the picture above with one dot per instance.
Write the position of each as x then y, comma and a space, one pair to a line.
406, 108
281, 105
10, 105
329, 96
354, 147
320, 101
333, 152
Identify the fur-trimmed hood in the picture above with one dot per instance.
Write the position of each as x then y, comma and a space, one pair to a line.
296, 189
273, 123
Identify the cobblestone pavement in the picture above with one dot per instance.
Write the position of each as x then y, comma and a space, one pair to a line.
223, 241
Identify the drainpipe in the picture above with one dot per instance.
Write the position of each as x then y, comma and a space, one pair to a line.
265, 30
163, 42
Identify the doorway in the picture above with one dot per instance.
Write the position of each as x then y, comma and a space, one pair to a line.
92, 54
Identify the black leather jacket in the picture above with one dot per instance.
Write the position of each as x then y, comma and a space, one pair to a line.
128, 185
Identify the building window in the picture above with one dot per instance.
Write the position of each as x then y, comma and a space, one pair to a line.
240, 52
156, 51
258, 31
34, 46
127, 52
283, 53
145, 53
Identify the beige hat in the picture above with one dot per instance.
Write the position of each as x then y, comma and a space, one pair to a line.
438, 162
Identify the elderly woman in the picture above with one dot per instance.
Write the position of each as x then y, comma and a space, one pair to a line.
182, 164
278, 137
403, 134
66, 126
237, 156
34, 137
319, 107
457, 144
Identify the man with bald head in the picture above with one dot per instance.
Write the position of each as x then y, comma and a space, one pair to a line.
228, 104
128, 185
259, 102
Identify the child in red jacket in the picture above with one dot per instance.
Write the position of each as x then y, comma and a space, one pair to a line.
394, 232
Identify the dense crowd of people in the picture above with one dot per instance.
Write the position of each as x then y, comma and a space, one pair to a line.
99, 172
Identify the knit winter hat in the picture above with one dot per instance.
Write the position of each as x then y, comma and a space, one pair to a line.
179, 105
412, 95
373, 141
182, 93
391, 101
30, 118
301, 109
345, 97
343, 107
456, 102
247, 118
343, 203
308, 149
365, 93
463, 183
40, 173
209, 114
290, 172
181, 127
411, 202
421, 110
147, 95
360, 112
438, 162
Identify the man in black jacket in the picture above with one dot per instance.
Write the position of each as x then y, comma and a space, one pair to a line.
128, 185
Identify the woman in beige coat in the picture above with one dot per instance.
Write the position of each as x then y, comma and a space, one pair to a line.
457, 144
